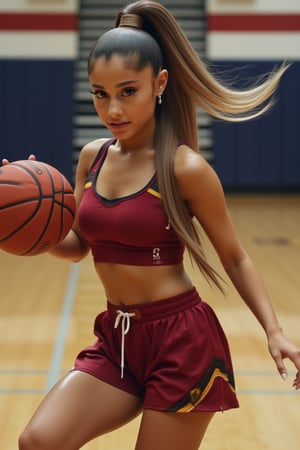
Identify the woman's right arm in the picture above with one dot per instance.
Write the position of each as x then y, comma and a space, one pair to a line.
74, 247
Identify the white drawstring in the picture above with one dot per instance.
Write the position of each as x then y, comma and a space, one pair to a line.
125, 324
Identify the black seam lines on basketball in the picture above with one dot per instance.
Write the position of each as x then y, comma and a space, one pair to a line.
58, 199
63, 192
21, 226
65, 207
49, 215
10, 183
38, 199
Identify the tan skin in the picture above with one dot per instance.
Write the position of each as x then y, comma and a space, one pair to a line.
125, 102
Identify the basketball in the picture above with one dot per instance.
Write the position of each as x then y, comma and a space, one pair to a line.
37, 207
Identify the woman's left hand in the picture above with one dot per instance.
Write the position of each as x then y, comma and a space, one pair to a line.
281, 348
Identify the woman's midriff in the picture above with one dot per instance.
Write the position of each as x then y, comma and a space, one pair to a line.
129, 285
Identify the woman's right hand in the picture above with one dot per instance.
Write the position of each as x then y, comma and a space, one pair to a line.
5, 161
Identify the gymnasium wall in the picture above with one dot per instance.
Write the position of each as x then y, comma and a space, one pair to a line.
38, 47
247, 38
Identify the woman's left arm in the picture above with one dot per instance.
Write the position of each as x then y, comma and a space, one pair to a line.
201, 189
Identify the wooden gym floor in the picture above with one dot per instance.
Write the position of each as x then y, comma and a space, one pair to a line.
48, 306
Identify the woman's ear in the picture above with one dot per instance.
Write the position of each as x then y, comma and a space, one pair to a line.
161, 81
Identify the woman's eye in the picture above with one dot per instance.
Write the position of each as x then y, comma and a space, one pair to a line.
129, 91
99, 94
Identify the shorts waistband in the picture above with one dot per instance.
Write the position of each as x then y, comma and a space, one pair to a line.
159, 309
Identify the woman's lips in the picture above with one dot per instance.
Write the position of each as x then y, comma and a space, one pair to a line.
118, 125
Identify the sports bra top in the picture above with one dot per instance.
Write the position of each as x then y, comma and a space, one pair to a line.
133, 229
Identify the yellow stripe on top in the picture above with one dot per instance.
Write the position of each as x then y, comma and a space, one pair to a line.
87, 184
153, 192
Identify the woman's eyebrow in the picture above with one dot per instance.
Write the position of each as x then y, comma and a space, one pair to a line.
122, 83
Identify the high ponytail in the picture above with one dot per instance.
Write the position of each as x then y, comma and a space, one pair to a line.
190, 83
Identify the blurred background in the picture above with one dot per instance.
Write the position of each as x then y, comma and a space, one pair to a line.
47, 305
46, 108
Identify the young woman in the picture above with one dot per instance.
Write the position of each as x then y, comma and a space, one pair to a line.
160, 350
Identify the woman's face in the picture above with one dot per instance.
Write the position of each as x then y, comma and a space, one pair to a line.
125, 99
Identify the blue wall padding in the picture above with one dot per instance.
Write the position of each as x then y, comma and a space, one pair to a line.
36, 102
263, 153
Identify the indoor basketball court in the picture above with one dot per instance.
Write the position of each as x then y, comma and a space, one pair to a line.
48, 307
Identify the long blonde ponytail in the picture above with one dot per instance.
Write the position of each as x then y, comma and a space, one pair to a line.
190, 84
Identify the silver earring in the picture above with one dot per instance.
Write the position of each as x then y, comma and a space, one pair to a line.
159, 100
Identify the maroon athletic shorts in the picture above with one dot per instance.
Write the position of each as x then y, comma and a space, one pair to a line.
172, 353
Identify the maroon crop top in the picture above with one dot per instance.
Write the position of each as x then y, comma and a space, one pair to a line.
130, 230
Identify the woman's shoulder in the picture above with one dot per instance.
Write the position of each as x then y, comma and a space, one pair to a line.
92, 148
188, 162
193, 172
90, 151
87, 156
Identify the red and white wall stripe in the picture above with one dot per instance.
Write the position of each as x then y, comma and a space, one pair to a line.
38, 47
38, 29
247, 38
253, 29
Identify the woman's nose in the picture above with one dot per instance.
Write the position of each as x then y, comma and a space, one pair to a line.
114, 108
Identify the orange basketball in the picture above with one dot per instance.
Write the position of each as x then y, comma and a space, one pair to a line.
37, 207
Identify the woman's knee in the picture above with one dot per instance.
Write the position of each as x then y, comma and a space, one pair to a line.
32, 438
27, 441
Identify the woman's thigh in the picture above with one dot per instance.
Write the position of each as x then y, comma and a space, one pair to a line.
172, 431
79, 408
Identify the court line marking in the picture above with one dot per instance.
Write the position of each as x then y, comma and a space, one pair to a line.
241, 392
23, 371
256, 373
267, 392
59, 372
59, 347
22, 391
238, 373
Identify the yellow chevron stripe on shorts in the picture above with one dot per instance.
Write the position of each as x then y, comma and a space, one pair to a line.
201, 395
192, 398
